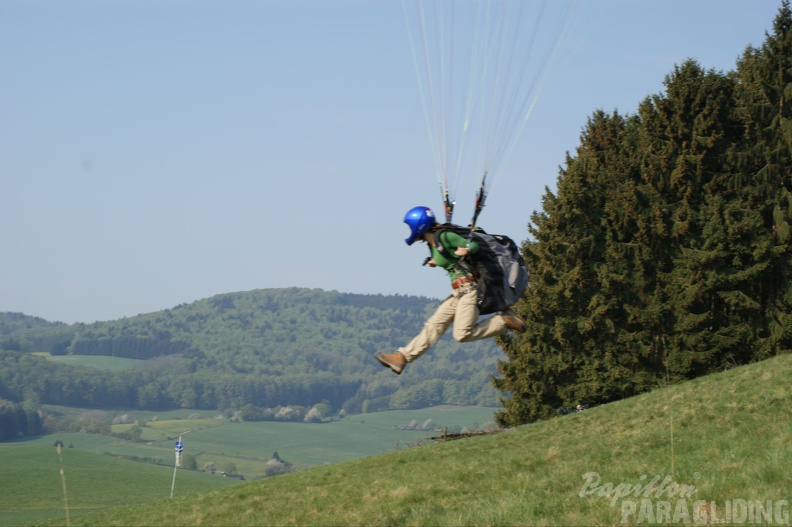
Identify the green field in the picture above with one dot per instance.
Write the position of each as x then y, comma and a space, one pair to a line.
250, 445
30, 489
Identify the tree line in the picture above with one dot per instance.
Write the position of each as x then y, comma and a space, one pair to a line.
17, 421
664, 253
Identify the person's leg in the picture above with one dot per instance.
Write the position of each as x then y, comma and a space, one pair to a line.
467, 326
433, 329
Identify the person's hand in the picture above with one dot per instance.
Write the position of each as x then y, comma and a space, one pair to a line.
462, 251
431, 263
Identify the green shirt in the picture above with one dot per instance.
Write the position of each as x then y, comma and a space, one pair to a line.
451, 241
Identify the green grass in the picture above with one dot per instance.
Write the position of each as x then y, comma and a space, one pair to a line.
726, 437
31, 487
247, 445
101, 362
143, 415
250, 445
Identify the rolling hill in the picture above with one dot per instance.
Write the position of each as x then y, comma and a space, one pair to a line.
266, 348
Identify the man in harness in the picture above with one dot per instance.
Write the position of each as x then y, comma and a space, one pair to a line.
461, 308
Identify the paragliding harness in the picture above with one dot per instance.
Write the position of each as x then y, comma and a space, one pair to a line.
498, 266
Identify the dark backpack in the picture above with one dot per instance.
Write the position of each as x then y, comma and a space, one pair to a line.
498, 265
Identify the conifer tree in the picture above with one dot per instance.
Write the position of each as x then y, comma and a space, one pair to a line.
708, 265
570, 351
764, 78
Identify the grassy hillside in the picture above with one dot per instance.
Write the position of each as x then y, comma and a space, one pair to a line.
718, 445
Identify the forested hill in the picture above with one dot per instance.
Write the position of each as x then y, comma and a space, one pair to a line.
265, 347
11, 323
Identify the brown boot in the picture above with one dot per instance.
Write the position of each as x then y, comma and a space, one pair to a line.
512, 322
394, 361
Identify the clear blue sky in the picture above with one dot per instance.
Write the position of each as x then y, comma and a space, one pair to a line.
158, 152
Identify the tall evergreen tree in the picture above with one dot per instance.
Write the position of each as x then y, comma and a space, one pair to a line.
764, 78
571, 350
690, 133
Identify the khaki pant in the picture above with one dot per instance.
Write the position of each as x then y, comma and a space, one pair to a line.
461, 309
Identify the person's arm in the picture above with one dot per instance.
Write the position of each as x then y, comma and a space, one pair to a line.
462, 246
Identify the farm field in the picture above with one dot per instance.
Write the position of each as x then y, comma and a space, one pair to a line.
250, 445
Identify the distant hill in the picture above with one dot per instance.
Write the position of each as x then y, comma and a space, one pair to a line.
266, 347
12, 324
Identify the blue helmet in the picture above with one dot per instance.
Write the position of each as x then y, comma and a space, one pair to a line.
420, 220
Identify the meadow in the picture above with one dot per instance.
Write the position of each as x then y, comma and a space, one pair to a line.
30, 489
100, 362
